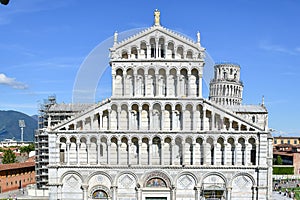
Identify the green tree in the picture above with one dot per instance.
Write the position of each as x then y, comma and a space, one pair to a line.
27, 149
279, 160
8, 157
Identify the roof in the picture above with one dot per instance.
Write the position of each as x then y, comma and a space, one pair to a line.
68, 107
16, 165
174, 34
247, 108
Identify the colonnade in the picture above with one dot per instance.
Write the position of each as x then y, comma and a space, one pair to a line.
157, 116
226, 90
166, 150
158, 48
157, 82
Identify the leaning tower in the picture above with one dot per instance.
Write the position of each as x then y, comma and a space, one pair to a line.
226, 88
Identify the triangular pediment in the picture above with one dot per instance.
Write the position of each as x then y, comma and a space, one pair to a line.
157, 37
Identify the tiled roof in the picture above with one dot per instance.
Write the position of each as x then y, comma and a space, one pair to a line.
16, 165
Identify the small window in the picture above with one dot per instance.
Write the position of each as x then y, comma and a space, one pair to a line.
289, 142
253, 119
295, 141
275, 141
281, 141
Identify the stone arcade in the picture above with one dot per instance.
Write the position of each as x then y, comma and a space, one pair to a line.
156, 138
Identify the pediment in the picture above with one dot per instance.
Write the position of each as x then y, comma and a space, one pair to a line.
156, 37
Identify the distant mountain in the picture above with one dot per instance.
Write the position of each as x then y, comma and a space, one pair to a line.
35, 117
9, 126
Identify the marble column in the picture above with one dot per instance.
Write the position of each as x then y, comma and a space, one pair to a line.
146, 83
85, 191
172, 152
140, 119
98, 152
150, 153
200, 86
78, 156
123, 91
108, 152
178, 94
229, 189
139, 153
162, 156
194, 119
118, 152
197, 193
151, 119
173, 193
100, 121
129, 152
88, 146
68, 152
114, 192
162, 119
194, 153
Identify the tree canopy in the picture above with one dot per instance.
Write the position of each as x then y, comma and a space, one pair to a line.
8, 157
27, 149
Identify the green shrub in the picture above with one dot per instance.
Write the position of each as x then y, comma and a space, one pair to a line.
283, 170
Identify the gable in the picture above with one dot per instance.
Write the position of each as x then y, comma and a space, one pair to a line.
155, 42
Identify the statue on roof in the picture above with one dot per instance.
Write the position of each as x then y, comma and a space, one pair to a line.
157, 17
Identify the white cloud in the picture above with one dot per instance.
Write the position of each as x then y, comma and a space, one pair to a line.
265, 45
4, 80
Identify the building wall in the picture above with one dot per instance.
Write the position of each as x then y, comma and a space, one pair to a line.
156, 137
15, 178
286, 140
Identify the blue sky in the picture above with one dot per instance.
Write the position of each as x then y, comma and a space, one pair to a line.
43, 44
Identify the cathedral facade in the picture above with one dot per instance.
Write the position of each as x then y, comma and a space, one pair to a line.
157, 138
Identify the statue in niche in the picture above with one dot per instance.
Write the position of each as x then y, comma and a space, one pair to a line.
151, 85
161, 86
176, 120
140, 85
134, 119
183, 85
156, 123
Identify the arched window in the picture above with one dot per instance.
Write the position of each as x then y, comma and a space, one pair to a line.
100, 194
